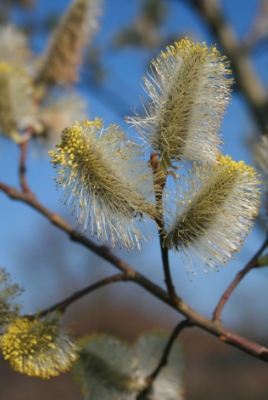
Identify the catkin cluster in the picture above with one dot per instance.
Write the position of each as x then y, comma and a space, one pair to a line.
112, 189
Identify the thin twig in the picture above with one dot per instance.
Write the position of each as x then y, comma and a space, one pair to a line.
253, 263
22, 166
168, 278
62, 305
164, 359
196, 319
160, 182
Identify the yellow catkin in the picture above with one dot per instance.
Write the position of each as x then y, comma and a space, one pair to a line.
105, 181
38, 348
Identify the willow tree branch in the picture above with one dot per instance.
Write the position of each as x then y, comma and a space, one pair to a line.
22, 166
245, 76
160, 182
167, 273
194, 318
253, 263
62, 305
164, 359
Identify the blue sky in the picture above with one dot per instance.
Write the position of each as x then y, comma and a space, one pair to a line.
21, 225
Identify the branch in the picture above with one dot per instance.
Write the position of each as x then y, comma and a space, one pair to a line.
160, 181
193, 317
62, 305
168, 278
253, 263
22, 166
164, 359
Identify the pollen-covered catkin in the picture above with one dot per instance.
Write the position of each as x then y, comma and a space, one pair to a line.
105, 181
38, 348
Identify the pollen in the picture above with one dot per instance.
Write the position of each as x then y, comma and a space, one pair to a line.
105, 181
38, 348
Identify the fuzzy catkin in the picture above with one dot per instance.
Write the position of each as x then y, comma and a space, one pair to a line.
214, 212
189, 92
105, 182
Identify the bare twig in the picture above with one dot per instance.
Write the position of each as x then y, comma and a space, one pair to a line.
164, 359
193, 317
22, 166
160, 182
62, 305
253, 263
168, 278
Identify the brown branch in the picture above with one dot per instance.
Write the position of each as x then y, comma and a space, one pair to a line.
22, 166
160, 181
168, 277
253, 263
164, 359
193, 317
62, 305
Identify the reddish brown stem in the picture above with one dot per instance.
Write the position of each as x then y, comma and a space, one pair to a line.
164, 359
160, 181
168, 277
194, 318
253, 263
22, 166
62, 305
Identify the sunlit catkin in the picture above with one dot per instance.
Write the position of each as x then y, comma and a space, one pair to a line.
189, 92
105, 181
215, 208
